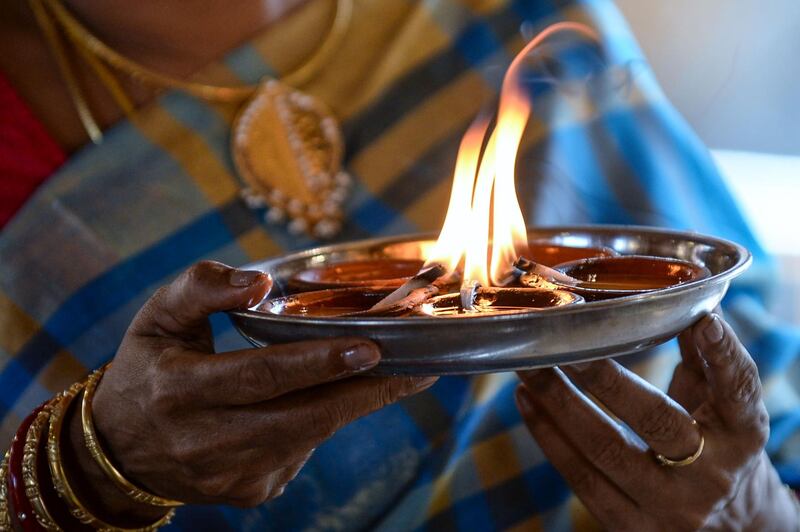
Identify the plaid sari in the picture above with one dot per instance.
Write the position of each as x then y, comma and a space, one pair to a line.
121, 219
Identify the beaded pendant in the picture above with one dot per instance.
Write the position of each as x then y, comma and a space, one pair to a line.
288, 149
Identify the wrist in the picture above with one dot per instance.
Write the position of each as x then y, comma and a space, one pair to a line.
93, 486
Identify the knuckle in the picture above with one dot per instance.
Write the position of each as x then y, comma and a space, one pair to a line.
729, 344
389, 392
661, 424
184, 456
756, 428
277, 492
723, 349
543, 380
162, 398
257, 378
691, 521
159, 294
152, 309
326, 420
746, 384
251, 492
188, 454
201, 270
721, 486
761, 432
608, 456
169, 386
584, 482
212, 488
609, 382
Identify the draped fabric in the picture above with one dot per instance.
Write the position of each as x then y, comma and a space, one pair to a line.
27, 153
120, 219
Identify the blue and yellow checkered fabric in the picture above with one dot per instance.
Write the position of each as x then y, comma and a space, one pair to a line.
160, 193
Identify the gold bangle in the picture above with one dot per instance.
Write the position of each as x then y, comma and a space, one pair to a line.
100, 457
30, 477
5, 517
60, 481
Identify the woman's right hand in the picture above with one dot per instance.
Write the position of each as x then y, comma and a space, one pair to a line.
231, 428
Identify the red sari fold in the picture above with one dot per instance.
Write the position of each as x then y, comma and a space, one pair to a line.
28, 154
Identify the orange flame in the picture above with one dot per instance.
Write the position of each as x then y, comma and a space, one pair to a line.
484, 195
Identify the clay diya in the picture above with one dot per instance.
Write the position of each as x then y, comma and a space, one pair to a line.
497, 301
374, 273
550, 254
609, 277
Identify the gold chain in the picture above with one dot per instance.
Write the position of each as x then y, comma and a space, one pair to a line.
73, 87
51, 12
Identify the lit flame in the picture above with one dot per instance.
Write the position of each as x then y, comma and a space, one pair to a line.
484, 196
453, 238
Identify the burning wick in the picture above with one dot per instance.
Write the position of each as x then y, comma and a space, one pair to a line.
425, 277
523, 266
468, 291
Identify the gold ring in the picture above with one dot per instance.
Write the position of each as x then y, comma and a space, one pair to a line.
664, 461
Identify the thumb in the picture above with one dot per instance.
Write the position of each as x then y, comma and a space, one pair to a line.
205, 288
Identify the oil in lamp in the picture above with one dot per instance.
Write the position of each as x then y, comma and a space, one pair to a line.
610, 277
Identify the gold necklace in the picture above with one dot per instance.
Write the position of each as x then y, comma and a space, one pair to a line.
287, 146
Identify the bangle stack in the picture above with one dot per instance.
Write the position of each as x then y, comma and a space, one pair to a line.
5, 518
35, 490
30, 472
20, 510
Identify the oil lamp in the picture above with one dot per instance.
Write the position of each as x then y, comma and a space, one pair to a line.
609, 277
379, 272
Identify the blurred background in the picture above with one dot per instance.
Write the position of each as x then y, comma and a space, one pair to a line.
731, 67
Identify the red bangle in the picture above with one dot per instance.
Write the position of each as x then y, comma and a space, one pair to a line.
19, 507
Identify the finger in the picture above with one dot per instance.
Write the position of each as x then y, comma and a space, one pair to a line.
597, 437
203, 289
254, 489
690, 352
688, 388
308, 417
274, 482
661, 422
600, 496
688, 385
731, 372
256, 375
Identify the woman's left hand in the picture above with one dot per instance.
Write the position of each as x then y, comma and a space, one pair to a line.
731, 486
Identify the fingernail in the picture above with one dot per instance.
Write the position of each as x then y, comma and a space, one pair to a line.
524, 400
360, 357
242, 278
713, 331
422, 383
253, 300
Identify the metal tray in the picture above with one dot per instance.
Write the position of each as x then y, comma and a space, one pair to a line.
482, 344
